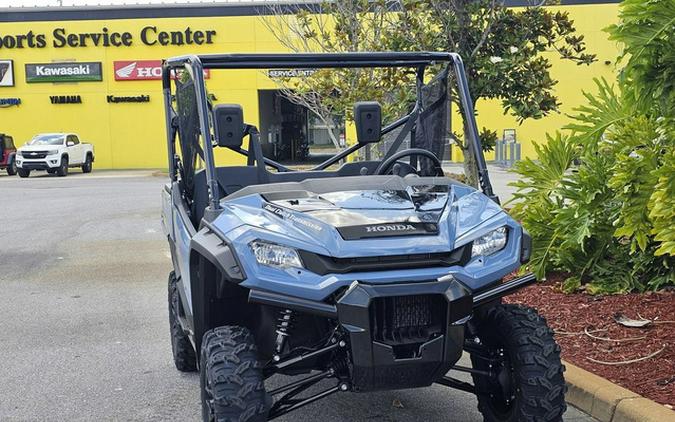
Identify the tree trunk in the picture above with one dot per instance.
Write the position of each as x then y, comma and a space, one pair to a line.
470, 167
464, 47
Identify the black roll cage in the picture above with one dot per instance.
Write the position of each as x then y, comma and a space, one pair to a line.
195, 64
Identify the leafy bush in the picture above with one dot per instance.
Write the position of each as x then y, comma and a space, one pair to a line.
609, 217
600, 200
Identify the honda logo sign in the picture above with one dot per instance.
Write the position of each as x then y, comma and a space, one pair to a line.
142, 70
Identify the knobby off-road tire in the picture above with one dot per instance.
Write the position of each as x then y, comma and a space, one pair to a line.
533, 362
23, 172
231, 377
87, 165
184, 356
63, 168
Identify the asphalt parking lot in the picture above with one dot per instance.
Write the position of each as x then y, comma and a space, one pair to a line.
83, 269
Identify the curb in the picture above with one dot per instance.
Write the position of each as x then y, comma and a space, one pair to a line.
608, 402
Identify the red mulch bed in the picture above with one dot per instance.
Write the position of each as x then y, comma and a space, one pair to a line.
569, 314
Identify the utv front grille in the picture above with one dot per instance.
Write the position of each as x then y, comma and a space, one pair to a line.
321, 264
405, 322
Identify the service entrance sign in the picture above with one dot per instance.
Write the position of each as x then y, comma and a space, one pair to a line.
6, 73
64, 72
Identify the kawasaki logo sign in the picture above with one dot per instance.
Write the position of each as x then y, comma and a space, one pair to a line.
64, 72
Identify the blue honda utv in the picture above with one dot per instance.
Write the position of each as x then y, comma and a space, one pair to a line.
355, 275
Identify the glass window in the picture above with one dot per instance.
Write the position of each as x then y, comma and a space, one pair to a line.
47, 139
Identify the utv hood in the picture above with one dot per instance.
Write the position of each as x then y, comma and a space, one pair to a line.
359, 216
367, 213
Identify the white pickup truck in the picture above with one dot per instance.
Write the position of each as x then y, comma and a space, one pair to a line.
54, 152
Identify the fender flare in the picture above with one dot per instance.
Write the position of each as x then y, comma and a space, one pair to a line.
208, 245
218, 250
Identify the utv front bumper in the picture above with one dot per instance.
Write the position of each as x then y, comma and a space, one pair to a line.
400, 335
403, 335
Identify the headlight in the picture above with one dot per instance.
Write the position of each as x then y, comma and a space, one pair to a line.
274, 255
19, 153
489, 243
56, 151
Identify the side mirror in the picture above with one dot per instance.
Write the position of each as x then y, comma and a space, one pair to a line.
368, 121
70, 143
228, 125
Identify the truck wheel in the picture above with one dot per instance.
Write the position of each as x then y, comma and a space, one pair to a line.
63, 169
88, 162
231, 377
23, 172
11, 169
529, 385
183, 353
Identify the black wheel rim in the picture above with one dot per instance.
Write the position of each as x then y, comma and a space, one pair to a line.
503, 396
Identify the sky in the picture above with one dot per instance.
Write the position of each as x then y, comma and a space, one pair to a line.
44, 3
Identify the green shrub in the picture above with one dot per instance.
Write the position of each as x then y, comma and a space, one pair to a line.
600, 200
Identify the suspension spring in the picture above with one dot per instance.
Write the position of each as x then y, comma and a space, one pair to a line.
285, 322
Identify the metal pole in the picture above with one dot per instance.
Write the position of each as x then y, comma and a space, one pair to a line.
170, 133
518, 151
203, 110
512, 153
467, 106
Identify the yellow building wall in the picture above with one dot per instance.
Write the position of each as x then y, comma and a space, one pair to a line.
132, 135
573, 80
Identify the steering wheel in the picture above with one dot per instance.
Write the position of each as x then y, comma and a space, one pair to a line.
389, 164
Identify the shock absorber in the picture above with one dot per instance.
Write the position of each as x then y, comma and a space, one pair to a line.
285, 321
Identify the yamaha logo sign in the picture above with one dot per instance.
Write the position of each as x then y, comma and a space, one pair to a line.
65, 99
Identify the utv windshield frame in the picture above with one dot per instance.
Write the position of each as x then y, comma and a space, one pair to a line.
195, 65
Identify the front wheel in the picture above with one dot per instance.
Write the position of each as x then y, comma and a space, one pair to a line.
23, 172
63, 169
528, 382
11, 169
231, 377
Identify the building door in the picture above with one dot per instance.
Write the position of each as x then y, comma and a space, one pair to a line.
290, 133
